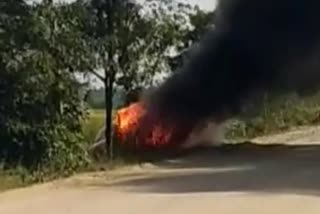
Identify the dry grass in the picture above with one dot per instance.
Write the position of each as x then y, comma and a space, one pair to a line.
277, 116
10, 181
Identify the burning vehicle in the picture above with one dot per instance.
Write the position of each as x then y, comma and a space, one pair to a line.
136, 128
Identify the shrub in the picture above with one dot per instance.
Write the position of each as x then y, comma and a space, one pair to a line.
40, 116
278, 115
41, 111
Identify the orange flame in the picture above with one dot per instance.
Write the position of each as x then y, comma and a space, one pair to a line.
137, 127
128, 118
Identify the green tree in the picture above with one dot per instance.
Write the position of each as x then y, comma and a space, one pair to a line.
41, 109
129, 45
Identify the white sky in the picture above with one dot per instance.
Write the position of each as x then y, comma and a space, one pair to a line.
203, 4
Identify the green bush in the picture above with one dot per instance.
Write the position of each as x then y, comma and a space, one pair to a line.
278, 114
41, 111
41, 116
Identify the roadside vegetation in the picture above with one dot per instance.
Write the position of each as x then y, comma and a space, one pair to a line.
278, 115
53, 56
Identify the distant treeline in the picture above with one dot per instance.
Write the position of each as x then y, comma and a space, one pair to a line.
96, 98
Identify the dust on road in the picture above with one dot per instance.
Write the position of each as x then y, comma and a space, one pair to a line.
276, 174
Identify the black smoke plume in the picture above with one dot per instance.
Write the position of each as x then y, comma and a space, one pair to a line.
256, 46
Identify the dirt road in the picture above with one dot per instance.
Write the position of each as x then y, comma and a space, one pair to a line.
245, 178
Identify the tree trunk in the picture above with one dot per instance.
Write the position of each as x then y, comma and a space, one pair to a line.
109, 81
109, 107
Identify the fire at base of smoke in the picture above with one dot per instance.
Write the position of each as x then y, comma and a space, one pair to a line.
139, 129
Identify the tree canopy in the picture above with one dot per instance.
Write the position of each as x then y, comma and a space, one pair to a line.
45, 47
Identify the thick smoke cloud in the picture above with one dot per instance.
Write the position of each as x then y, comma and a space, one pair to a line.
255, 46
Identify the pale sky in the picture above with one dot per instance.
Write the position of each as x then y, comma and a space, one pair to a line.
203, 4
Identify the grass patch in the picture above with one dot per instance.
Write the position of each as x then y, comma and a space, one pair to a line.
10, 180
92, 126
278, 115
